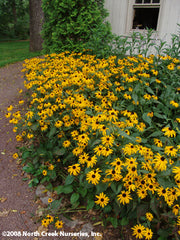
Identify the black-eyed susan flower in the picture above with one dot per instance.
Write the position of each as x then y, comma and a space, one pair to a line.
124, 197
66, 143
176, 209
158, 142
142, 193
138, 231
93, 176
149, 216
103, 200
59, 224
50, 200
44, 172
45, 222
98, 150
51, 167
175, 104
176, 170
107, 140
148, 234
91, 161
83, 158
74, 169
170, 150
50, 218
15, 155
160, 162
169, 132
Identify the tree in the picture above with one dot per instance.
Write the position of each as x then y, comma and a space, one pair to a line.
36, 22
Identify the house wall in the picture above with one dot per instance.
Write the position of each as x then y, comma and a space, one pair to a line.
120, 17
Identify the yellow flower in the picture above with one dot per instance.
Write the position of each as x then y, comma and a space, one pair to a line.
148, 234
169, 132
15, 156
59, 224
103, 200
50, 218
93, 176
8, 115
74, 169
44, 172
51, 167
10, 108
124, 197
50, 200
66, 143
45, 222
138, 231
176, 209
149, 216
175, 104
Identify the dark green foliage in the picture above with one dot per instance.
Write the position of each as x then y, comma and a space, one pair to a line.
73, 25
14, 19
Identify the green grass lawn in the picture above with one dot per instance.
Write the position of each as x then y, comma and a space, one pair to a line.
15, 51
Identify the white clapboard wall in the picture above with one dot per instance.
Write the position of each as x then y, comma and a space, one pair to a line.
122, 12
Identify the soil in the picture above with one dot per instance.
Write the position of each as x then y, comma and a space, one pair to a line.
18, 203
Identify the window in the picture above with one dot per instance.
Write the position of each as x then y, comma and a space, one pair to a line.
145, 14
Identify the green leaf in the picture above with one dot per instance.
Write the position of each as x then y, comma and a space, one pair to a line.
165, 182
25, 154
146, 118
113, 221
155, 134
82, 191
52, 132
59, 151
156, 114
64, 189
124, 221
34, 126
28, 168
74, 198
153, 206
107, 209
56, 204
67, 189
101, 187
59, 189
69, 179
150, 90
90, 204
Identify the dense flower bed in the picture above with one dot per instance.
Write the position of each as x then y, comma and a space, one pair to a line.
107, 133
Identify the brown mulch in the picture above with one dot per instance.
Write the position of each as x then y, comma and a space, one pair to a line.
17, 200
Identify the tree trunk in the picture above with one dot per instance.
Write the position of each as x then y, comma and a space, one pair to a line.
36, 22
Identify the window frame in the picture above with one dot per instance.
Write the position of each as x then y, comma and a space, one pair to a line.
130, 16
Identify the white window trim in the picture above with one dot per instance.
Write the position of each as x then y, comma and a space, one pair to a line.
129, 22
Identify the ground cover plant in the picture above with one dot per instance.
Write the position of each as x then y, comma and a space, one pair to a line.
106, 133
15, 51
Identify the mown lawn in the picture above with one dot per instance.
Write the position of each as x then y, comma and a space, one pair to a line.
15, 51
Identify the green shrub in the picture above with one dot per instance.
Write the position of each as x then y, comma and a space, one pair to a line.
69, 25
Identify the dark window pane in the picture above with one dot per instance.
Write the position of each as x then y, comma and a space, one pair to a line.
156, 1
138, 1
145, 18
147, 1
